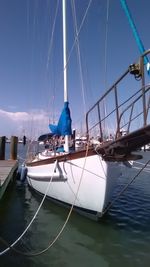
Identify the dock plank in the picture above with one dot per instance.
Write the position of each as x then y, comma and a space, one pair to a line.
7, 169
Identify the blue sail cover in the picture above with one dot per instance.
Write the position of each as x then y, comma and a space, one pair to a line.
64, 124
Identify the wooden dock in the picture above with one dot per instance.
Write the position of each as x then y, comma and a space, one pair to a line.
7, 171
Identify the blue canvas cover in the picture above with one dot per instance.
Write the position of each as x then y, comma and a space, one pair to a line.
64, 124
136, 34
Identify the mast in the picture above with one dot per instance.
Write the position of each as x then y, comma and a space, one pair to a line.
66, 147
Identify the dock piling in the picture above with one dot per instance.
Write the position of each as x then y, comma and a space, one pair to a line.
2, 147
13, 147
7, 167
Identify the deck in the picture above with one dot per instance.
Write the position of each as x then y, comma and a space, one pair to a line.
7, 170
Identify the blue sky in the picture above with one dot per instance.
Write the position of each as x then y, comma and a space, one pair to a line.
31, 80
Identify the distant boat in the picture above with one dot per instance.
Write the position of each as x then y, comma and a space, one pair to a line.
8, 140
146, 147
86, 177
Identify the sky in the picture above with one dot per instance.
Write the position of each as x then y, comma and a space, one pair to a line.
31, 70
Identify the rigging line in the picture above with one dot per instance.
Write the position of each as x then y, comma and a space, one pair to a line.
52, 35
74, 165
50, 52
28, 18
100, 160
81, 25
64, 225
71, 50
137, 162
79, 54
105, 59
106, 45
146, 170
32, 34
23, 233
125, 188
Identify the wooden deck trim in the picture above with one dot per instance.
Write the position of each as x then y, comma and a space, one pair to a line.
119, 150
64, 157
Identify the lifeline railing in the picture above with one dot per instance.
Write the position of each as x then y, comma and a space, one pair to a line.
122, 110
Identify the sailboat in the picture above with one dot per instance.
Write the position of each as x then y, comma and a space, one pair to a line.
87, 177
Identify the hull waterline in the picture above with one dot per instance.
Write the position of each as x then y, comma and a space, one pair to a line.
87, 184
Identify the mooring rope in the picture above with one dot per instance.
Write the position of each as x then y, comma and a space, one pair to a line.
68, 217
36, 213
125, 188
60, 232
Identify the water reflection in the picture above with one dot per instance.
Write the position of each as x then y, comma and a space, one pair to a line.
121, 238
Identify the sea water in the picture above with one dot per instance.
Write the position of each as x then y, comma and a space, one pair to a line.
120, 238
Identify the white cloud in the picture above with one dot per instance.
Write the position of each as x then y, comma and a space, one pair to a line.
31, 123
15, 116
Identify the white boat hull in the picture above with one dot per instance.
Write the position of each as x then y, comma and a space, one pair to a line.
89, 190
